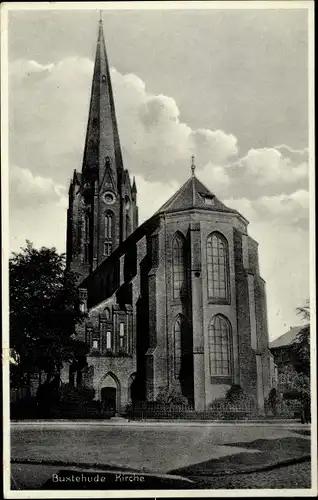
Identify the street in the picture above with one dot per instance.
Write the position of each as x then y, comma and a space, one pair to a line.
190, 451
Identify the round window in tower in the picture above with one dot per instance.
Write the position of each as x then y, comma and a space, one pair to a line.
109, 198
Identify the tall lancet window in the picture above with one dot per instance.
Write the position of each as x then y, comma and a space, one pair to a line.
108, 227
86, 228
218, 268
127, 225
178, 328
220, 346
86, 238
178, 267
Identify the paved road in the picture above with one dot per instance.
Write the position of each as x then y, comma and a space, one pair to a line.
149, 448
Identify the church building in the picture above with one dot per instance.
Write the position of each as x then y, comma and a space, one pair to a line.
175, 302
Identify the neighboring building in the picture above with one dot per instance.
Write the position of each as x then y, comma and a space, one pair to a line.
281, 348
178, 300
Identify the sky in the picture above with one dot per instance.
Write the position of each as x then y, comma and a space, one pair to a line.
229, 86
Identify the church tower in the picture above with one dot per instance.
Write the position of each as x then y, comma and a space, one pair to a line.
102, 202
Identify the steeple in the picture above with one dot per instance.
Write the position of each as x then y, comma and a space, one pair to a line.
102, 138
103, 208
134, 187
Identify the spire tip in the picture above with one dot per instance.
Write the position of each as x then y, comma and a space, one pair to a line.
192, 165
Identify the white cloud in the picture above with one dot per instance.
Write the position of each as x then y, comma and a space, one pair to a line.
33, 191
214, 145
152, 195
269, 166
284, 209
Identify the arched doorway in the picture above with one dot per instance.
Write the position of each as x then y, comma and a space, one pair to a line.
109, 394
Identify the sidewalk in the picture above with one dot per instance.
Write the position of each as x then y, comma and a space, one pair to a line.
290, 423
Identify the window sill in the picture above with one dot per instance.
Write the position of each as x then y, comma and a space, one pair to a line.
221, 302
221, 379
96, 354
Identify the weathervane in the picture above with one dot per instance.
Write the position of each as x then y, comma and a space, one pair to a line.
192, 164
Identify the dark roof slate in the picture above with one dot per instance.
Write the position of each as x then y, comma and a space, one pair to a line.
194, 195
287, 338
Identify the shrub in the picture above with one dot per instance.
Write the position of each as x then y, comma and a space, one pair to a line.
225, 409
234, 393
70, 394
273, 400
171, 395
236, 405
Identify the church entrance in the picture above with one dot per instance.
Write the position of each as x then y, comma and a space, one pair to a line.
109, 395
108, 400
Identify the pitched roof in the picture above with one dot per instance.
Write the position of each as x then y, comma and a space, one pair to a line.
287, 338
193, 194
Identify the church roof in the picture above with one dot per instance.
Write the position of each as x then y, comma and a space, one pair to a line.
194, 195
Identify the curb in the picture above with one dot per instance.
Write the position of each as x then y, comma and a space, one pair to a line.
141, 423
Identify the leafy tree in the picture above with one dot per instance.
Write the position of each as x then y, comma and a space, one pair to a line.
301, 347
44, 312
300, 391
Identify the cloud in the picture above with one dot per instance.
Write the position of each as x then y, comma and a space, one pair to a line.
284, 209
37, 208
214, 146
268, 166
33, 191
152, 195
48, 115
48, 118
156, 143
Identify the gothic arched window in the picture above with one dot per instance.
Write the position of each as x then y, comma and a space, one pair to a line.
127, 225
108, 225
86, 237
109, 228
220, 346
177, 338
86, 227
218, 267
178, 267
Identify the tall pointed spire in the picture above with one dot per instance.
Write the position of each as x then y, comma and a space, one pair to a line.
103, 209
102, 138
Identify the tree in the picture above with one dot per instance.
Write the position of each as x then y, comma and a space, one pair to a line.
44, 312
300, 384
300, 391
301, 347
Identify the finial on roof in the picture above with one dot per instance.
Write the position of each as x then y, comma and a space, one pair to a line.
100, 17
192, 164
134, 187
